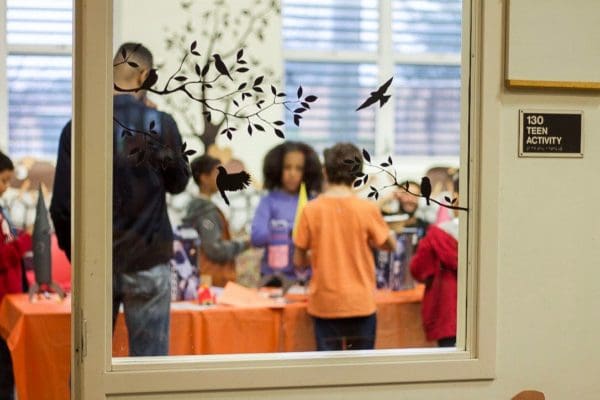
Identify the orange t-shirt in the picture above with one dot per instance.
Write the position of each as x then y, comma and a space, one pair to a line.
337, 231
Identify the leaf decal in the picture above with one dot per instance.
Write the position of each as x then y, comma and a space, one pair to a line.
366, 155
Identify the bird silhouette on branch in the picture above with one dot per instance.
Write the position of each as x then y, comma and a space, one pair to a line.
386, 167
247, 107
228, 27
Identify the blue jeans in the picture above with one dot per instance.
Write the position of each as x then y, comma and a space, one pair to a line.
146, 299
357, 333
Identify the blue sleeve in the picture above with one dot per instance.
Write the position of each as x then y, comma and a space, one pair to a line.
260, 224
215, 247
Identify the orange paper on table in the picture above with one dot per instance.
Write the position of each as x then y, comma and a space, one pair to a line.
240, 296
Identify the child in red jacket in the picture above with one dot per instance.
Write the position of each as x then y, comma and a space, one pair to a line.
12, 249
435, 263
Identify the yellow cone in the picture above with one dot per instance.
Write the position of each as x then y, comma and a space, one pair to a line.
302, 200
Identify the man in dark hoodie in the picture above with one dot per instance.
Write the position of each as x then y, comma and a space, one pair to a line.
142, 232
217, 249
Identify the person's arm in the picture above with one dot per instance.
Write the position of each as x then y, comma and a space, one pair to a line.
380, 235
260, 224
302, 243
424, 262
390, 242
217, 249
301, 259
176, 173
60, 206
12, 252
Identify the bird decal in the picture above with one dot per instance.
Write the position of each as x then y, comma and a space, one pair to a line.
220, 65
231, 182
426, 188
377, 96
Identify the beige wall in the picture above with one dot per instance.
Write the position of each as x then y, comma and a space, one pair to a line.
548, 249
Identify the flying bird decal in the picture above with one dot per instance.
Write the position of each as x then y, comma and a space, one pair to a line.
377, 96
231, 182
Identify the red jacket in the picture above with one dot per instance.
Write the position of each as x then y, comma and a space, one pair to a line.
12, 250
435, 264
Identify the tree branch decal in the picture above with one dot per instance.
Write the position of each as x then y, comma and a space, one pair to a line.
242, 25
247, 103
362, 179
152, 150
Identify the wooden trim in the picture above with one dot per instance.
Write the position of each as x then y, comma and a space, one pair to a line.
91, 198
522, 83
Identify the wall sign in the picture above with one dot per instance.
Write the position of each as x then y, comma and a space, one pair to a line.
550, 134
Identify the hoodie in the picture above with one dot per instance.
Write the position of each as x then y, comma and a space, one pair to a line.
142, 232
435, 264
217, 249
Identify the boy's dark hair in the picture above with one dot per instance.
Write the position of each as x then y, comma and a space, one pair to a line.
203, 165
338, 171
6, 163
135, 52
273, 166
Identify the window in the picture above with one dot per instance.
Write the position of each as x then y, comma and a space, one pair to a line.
421, 51
93, 369
39, 75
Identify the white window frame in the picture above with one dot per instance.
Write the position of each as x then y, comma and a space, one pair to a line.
386, 58
96, 373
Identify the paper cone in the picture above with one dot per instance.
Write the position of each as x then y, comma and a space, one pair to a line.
302, 200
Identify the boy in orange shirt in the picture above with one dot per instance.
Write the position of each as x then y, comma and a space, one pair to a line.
338, 229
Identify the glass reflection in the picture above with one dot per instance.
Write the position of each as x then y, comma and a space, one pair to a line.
233, 78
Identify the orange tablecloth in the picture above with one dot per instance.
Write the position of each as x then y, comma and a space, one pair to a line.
39, 334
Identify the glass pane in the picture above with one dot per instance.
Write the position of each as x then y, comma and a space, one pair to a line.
39, 103
427, 110
426, 26
202, 268
331, 25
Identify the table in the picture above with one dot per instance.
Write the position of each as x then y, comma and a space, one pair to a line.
39, 334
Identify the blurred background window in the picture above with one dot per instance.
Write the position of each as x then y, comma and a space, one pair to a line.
38, 68
422, 48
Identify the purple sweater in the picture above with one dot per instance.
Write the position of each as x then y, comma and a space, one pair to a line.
276, 211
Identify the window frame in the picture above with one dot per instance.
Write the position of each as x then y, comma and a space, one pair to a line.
95, 371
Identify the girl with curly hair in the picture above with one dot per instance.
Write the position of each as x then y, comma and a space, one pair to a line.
285, 167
